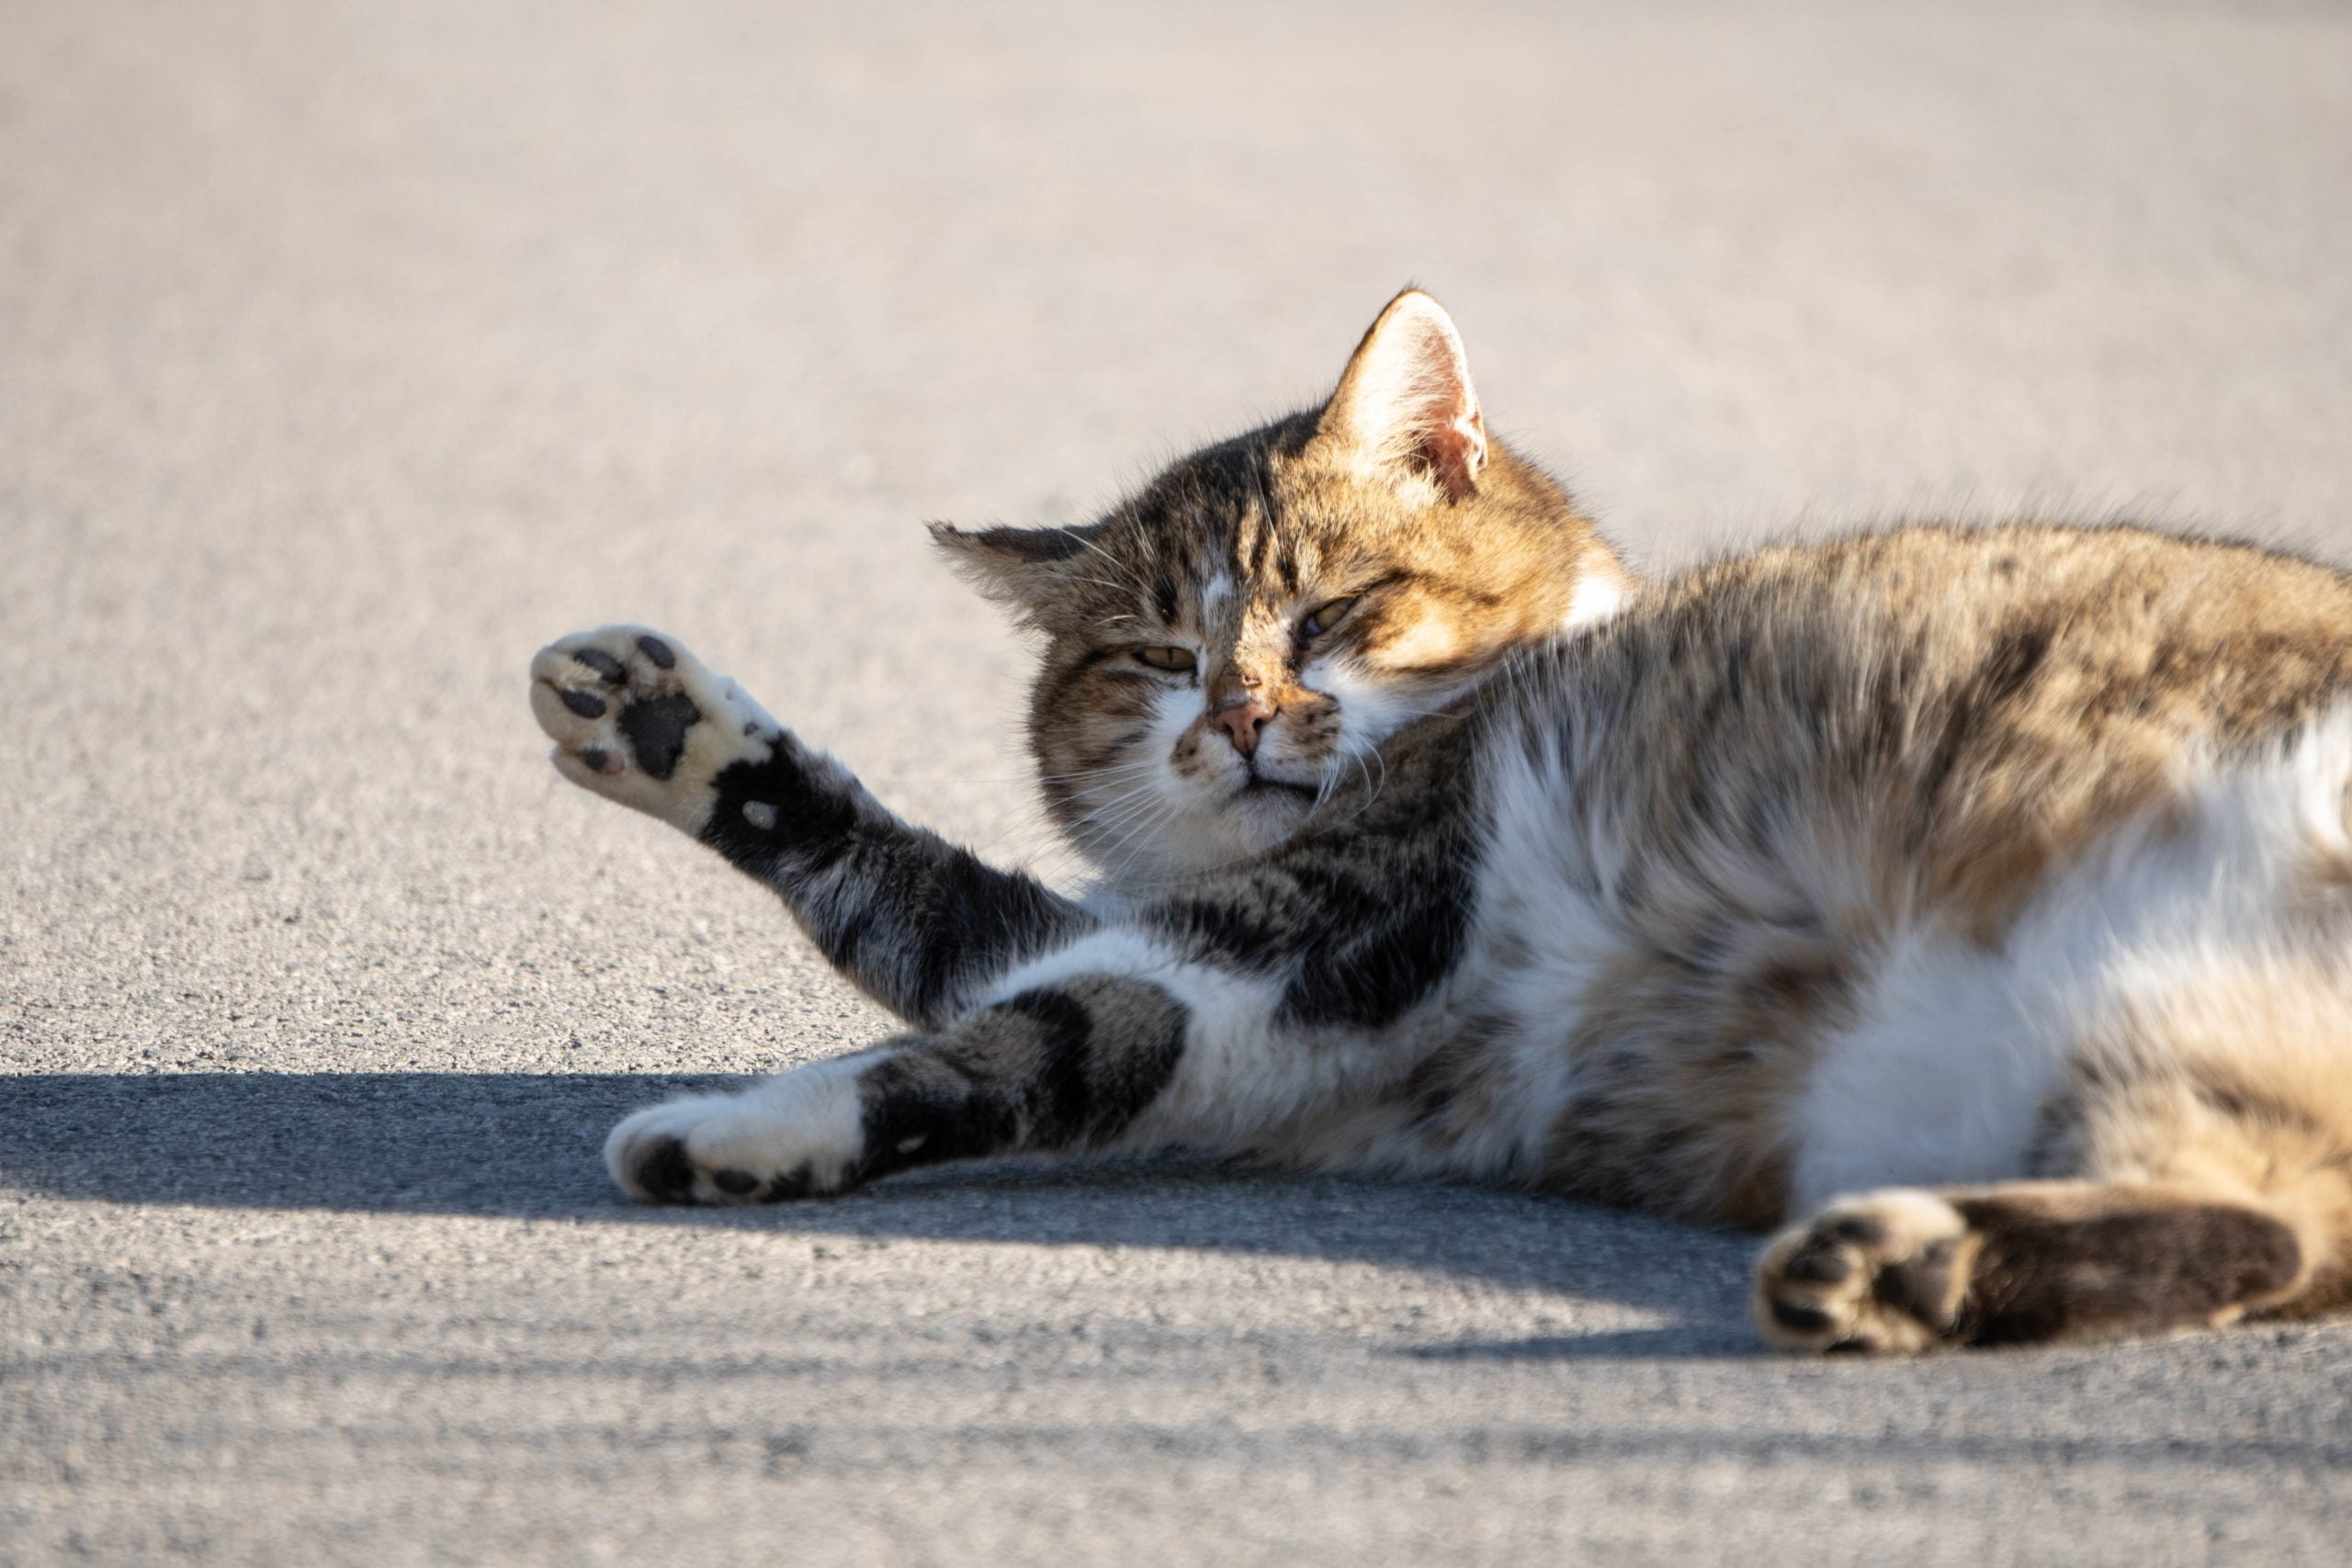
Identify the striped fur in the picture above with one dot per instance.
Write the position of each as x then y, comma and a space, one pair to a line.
1971, 904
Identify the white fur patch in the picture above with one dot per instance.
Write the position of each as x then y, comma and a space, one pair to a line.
1541, 887
1941, 1081
1957, 1049
1369, 710
1598, 597
809, 1119
1173, 816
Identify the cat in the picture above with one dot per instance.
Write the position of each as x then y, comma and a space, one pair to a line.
1969, 906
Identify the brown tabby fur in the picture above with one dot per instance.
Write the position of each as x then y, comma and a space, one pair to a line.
1977, 900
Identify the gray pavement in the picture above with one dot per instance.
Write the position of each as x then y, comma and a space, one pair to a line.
349, 352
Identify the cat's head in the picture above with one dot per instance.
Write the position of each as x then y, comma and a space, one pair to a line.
1237, 639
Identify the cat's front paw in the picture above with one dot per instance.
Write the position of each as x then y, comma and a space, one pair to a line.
800, 1134
1881, 1271
638, 720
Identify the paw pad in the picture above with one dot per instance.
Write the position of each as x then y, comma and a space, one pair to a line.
1884, 1272
638, 720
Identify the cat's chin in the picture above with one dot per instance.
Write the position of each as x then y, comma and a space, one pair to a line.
1273, 791
1259, 815
1253, 820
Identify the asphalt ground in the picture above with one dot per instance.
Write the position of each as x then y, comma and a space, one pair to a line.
349, 352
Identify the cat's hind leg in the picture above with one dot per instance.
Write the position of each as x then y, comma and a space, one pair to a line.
1119, 1041
2200, 1160
1055, 1069
1906, 1269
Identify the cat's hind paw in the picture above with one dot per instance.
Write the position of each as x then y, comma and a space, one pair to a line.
801, 1134
638, 720
1884, 1272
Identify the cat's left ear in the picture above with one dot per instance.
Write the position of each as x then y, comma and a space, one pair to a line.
1020, 567
1405, 403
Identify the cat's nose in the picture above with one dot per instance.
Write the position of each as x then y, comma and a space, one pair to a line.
1241, 721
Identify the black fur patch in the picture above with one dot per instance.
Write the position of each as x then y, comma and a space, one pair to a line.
975, 920
924, 1106
905, 914
1046, 1070
812, 823
1370, 971
1088, 1088
1365, 919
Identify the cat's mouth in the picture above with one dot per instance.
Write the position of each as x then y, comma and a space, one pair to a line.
1259, 786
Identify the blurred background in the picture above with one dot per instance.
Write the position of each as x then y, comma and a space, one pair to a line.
349, 352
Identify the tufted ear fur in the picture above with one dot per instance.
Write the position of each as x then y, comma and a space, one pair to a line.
1406, 405
1021, 568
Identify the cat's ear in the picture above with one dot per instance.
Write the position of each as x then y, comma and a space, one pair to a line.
1405, 403
1021, 567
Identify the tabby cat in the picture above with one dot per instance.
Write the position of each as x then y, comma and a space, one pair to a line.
1973, 903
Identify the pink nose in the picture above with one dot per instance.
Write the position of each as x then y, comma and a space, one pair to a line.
1241, 722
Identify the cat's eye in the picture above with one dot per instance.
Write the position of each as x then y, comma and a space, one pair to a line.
1325, 616
1177, 659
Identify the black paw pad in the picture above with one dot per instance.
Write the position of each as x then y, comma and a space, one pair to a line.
587, 705
653, 647
657, 731
737, 1183
603, 663
796, 1183
1821, 1261
1799, 1319
665, 1174
1920, 1286
1861, 1230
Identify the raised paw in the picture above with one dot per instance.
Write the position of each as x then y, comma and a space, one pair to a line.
638, 720
801, 1134
1881, 1271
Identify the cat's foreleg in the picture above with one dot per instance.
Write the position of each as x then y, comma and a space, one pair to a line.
1062, 1069
919, 924
1111, 1043
2031, 1261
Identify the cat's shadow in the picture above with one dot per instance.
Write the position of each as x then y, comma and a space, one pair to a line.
527, 1144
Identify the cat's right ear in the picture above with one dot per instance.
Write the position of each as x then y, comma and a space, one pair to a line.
1024, 568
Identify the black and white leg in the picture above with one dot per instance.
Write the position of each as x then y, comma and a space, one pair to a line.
917, 923
1058, 1068
1125, 1038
